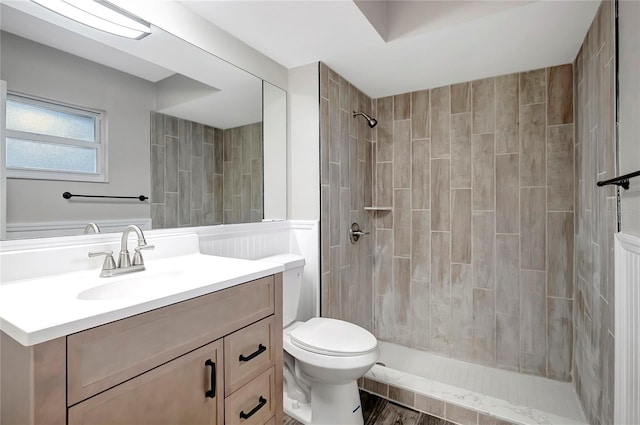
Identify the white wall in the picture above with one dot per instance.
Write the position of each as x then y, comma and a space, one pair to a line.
304, 178
182, 22
38, 70
274, 125
304, 143
629, 128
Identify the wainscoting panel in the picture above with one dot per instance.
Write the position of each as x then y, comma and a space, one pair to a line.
627, 327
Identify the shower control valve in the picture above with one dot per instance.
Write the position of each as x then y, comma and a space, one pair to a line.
355, 232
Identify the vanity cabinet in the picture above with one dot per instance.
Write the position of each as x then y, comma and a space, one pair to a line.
214, 359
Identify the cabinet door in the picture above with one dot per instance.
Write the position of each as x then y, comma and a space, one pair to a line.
178, 392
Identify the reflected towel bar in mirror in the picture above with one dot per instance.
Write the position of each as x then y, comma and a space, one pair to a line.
68, 195
620, 180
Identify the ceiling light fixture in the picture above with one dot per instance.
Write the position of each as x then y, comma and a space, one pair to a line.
100, 15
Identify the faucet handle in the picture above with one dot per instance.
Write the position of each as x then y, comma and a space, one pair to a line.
137, 257
109, 262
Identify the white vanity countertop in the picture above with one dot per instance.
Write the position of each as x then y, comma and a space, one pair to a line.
44, 308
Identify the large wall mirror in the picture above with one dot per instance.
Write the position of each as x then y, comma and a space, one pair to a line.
177, 124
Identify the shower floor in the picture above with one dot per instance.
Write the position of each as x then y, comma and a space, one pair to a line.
511, 396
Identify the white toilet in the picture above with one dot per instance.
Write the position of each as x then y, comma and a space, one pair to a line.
323, 358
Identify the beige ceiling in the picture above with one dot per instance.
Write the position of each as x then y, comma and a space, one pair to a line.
391, 47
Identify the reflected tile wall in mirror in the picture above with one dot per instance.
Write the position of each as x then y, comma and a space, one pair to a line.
203, 175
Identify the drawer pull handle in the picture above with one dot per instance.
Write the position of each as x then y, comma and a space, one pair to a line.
261, 349
211, 393
261, 402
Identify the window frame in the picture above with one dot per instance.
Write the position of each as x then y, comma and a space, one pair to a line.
100, 144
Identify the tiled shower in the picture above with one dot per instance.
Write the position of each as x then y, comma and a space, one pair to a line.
487, 244
202, 175
470, 253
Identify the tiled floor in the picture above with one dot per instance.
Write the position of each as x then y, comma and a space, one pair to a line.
378, 411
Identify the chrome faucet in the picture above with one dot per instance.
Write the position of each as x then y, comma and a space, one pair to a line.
91, 226
125, 265
124, 260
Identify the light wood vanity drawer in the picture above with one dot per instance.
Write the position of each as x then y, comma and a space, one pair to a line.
248, 352
105, 356
255, 400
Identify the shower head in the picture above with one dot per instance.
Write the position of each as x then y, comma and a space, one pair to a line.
371, 121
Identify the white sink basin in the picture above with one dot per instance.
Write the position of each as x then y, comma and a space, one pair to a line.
135, 285
43, 308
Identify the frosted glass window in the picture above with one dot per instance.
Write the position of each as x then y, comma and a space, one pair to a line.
53, 141
36, 119
47, 156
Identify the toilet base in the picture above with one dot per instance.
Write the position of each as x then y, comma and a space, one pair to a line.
330, 405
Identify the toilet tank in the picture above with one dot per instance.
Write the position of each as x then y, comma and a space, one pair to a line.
291, 284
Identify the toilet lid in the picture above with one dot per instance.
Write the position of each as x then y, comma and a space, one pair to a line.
333, 337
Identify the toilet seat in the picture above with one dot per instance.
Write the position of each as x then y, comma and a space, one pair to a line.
332, 337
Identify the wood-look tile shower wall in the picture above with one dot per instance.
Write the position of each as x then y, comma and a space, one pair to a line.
345, 178
475, 260
596, 219
201, 175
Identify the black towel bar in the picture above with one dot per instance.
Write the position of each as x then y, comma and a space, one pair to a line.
620, 180
68, 195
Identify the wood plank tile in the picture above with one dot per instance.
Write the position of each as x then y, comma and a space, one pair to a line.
559, 335
560, 182
560, 93
402, 222
402, 154
483, 170
384, 129
484, 326
420, 175
334, 121
420, 320
420, 122
532, 145
440, 193
421, 245
460, 98
462, 311
560, 255
508, 274
324, 141
440, 122
532, 314
533, 87
461, 226
429, 405
532, 228
461, 151
507, 105
384, 184
383, 261
402, 106
440, 328
507, 193
508, 341
483, 237
440, 267
484, 106
460, 415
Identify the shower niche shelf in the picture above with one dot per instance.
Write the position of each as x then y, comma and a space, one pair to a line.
374, 208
